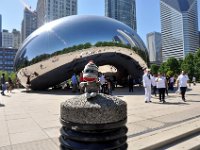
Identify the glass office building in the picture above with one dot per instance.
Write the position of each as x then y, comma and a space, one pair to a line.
122, 10
154, 47
179, 28
49, 10
7, 56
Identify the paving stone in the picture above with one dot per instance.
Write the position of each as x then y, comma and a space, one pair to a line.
32, 135
36, 145
6, 148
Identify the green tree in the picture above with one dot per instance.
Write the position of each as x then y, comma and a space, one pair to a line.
172, 65
154, 68
188, 65
197, 64
163, 68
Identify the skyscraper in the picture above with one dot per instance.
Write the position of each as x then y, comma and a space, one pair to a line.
7, 39
7, 56
16, 39
122, 10
0, 31
179, 28
154, 47
0, 23
29, 23
49, 10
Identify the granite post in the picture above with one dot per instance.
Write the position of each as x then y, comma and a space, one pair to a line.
97, 123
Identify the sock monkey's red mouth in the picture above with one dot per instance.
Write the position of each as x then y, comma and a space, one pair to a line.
89, 79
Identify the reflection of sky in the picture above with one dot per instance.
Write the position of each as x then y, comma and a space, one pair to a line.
70, 31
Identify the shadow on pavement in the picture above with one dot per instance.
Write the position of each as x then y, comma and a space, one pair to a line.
2, 105
171, 103
117, 92
193, 101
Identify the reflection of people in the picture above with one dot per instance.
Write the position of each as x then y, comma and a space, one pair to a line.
28, 82
182, 82
147, 85
3, 84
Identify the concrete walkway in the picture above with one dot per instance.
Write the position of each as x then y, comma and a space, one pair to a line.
30, 121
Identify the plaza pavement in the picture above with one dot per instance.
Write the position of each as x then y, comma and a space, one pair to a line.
30, 121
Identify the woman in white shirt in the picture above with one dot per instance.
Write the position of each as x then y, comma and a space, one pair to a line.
161, 86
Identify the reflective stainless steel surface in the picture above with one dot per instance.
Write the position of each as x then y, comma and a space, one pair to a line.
53, 52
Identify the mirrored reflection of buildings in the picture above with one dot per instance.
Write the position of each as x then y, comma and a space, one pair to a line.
154, 47
179, 28
49, 10
7, 56
122, 10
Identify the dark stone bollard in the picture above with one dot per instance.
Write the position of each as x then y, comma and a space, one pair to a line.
95, 124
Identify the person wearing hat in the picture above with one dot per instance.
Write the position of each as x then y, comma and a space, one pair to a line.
147, 81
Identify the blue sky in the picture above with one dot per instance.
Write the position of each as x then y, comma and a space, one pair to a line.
147, 11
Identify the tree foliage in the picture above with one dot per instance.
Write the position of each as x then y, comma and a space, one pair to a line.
154, 68
173, 67
12, 75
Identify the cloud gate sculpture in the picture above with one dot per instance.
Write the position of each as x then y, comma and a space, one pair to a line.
52, 53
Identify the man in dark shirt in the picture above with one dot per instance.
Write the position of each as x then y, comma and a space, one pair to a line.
3, 84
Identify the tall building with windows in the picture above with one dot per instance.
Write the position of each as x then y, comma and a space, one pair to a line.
16, 39
7, 56
29, 23
154, 47
179, 28
49, 10
122, 10
7, 39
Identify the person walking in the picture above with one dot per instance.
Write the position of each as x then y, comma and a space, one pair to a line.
102, 81
74, 83
182, 83
194, 80
171, 83
146, 79
153, 82
10, 85
3, 84
130, 83
161, 86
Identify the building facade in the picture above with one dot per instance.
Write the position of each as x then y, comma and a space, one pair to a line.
179, 28
7, 39
29, 23
16, 39
154, 47
49, 10
122, 10
7, 56
0, 31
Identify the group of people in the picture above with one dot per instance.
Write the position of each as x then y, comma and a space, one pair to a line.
6, 85
106, 83
161, 84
